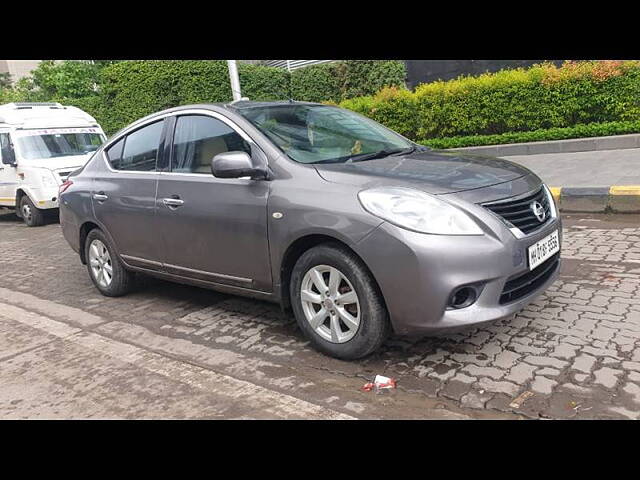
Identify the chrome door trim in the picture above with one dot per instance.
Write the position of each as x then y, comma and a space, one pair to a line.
208, 276
141, 262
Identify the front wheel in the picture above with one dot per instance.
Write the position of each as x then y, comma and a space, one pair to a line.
337, 303
31, 215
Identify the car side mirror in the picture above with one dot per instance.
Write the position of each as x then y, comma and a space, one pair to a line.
235, 165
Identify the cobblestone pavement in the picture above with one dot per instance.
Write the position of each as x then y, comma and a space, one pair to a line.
572, 353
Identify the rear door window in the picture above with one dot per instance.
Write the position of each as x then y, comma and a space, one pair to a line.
138, 151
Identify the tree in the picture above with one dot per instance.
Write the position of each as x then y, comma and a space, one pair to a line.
65, 79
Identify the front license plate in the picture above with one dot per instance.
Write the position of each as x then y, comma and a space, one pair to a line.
543, 249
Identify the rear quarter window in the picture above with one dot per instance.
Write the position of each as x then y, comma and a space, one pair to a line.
138, 151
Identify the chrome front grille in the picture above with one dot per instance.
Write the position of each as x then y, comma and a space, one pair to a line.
518, 212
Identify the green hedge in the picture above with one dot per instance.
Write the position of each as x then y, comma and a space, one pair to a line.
133, 89
542, 97
577, 131
129, 90
337, 81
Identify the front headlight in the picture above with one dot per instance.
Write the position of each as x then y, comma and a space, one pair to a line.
417, 211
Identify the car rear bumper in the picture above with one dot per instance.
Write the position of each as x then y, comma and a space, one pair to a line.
417, 275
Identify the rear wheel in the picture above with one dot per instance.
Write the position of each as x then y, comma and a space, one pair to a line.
31, 215
337, 304
105, 268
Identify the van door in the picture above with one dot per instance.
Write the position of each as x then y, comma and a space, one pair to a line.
214, 229
8, 174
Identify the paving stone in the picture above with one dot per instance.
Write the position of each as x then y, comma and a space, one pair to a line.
607, 377
507, 388
474, 399
633, 390
543, 385
584, 363
564, 351
521, 373
506, 359
484, 371
587, 324
546, 361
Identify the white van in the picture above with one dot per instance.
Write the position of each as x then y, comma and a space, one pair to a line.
41, 144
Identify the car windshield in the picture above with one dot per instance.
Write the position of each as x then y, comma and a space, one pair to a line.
53, 145
324, 134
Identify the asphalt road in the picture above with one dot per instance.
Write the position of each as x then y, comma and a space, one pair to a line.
172, 351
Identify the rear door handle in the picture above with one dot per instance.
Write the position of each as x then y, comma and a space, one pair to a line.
101, 197
173, 202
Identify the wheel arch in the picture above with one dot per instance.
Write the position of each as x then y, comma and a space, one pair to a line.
20, 192
85, 228
297, 248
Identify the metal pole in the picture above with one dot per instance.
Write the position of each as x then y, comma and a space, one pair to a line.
235, 80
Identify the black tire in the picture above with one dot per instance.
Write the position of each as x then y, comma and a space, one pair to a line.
31, 215
374, 319
122, 280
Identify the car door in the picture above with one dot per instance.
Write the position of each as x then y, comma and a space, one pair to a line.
213, 229
124, 195
8, 173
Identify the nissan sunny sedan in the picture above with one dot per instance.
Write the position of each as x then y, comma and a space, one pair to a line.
356, 229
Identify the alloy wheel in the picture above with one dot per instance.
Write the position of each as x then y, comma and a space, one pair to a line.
330, 304
100, 262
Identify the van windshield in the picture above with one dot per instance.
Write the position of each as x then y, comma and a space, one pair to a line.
53, 145
324, 134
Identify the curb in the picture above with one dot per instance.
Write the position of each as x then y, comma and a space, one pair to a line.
614, 199
614, 142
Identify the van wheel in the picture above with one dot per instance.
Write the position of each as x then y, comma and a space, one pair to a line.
105, 268
337, 303
32, 216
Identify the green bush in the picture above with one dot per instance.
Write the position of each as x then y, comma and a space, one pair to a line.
128, 90
542, 97
337, 81
577, 131
133, 89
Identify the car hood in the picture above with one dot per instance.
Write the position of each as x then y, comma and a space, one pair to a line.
433, 171
71, 162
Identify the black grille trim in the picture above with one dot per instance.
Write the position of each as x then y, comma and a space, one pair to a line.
526, 283
516, 212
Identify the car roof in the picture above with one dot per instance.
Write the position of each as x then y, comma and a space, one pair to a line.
245, 104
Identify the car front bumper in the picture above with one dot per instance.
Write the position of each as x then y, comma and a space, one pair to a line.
417, 274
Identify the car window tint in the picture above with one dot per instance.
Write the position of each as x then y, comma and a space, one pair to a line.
114, 153
198, 138
141, 149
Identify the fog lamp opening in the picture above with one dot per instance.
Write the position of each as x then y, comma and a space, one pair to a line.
462, 297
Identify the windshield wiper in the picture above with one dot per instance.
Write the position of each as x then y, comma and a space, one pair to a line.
379, 154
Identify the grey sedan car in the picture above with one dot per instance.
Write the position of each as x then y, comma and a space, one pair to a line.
356, 229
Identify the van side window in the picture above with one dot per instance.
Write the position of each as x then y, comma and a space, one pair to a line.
140, 149
198, 138
5, 145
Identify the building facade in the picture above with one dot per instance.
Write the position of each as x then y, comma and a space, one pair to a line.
18, 68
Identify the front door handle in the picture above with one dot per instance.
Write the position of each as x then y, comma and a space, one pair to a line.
100, 196
173, 202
